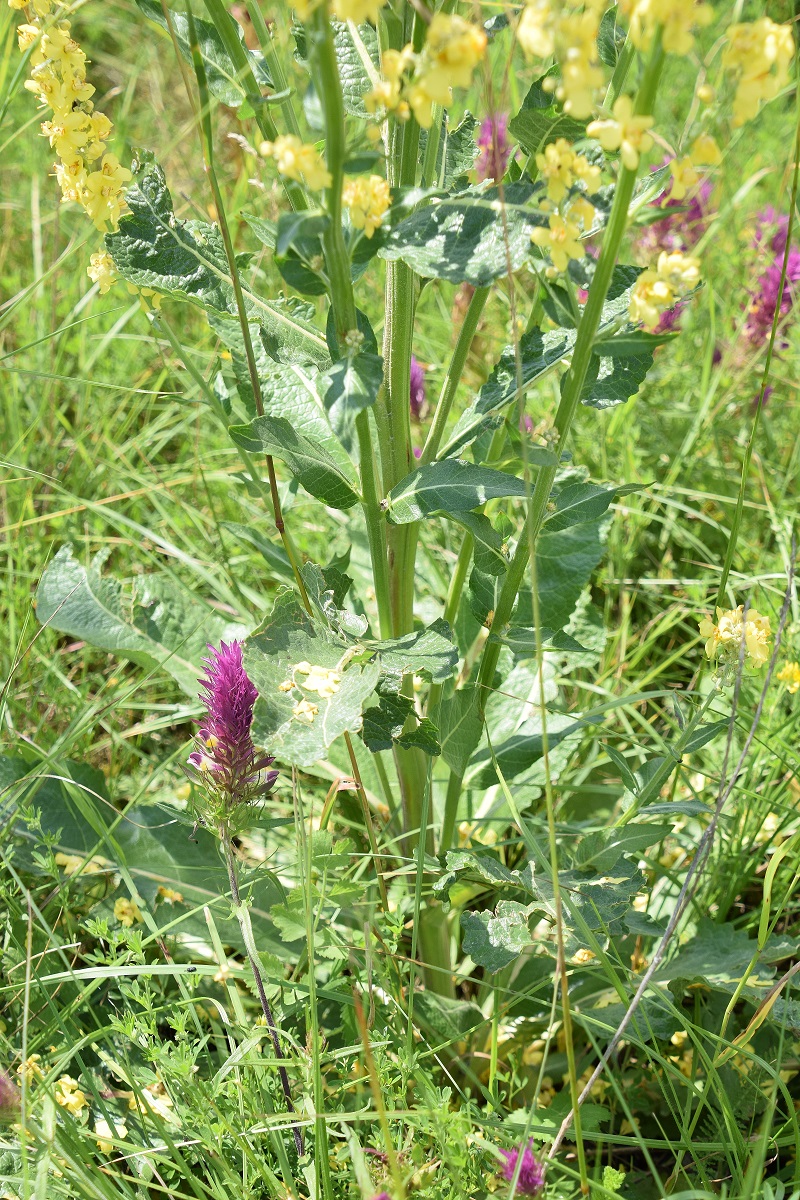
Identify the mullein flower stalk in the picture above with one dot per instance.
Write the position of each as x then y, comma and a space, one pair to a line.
233, 775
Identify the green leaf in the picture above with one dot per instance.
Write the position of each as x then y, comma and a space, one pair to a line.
460, 728
353, 384
631, 343
308, 460
653, 1020
610, 39
719, 953
599, 898
353, 74
522, 749
493, 940
265, 231
525, 644
540, 121
271, 655
155, 625
603, 850
450, 1020
579, 502
483, 867
454, 485
430, 652
456, 152
615, 380
424, 736
272, 552
384, 722
565, 559
326, 590
538, 354
491, 553
469, 237
221, 73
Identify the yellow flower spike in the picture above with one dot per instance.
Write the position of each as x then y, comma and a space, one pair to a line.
650, 297
561, 239
535, 32
298, 160
684, 177
704, 151
367, 200
453, 48
759, 54
624, 132
724, 638
101, 271
677, 20
127, 912
790, 675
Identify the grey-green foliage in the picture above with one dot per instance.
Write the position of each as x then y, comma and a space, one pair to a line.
155, 623
455, 486
456, 152
473, 236
540, 121
311, 461
350, 54
221, 73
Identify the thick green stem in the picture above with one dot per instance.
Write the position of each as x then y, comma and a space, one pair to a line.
376, 523
454, 374
572, 384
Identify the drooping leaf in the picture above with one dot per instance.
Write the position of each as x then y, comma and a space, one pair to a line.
454, 485
155, 625
272, 552
565, 560
469, 237
310, 461
326, 589
610, 38
221, 73
460, 728
292, 733
493, 940
540, 120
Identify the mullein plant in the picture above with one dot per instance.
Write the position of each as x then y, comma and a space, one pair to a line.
383, 178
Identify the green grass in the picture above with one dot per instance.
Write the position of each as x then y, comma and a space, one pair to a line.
107, 446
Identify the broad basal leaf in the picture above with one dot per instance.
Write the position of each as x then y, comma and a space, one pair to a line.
309, 460
221, 73
154, 624
470, 237
454, 485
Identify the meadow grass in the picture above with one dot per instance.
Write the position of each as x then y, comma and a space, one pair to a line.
105, 445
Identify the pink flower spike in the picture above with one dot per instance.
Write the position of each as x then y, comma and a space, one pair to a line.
531, 1172
494, 148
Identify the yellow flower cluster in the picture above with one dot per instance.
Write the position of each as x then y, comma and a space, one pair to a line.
104, 1131
297, 160
568, 31
660, 287
725, 638
453, 48
561, 238
677, 19
560, 167
759, 53
623, 131
69, 1095
704, 152
77, 131
367, 200
790, 675
127, 912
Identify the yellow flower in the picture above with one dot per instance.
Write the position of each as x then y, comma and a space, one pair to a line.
72, 863
624, 132
169, 895
583, 210
705, 152
319, 679
102, 194
677, 20
104, 1131
157, 1100
101, 271
684, 177
452, 50
127, 912
681, 271
367, 200
759, 53
725, 638
298, 160
561, 240
357, 11
69, 1095
790, 675
67, 132
304, 710
581, 73
535, 31
650, 297
30, 1069
560, 166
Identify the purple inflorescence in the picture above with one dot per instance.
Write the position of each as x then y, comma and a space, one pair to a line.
531, 1172
494, 148
769, 296
683, 224
772, 229
417, 398
226, 758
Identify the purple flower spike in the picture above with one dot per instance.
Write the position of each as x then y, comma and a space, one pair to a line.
382, 1196
531, 1172
772, 228
494, 148
225, 758
768, 296
417, 399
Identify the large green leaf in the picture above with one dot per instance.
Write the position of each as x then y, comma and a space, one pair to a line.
565, 560
454, 485
493, 940
155, 625
186, 260
460, 728
577, 502
351, 385
350, 54
271, 657
719, 953
612, 381
522, 749
430, 652
540, 120
472, 237
456, 153
222, 76
309, 460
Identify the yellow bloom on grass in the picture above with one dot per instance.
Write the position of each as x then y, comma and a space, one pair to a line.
790, 675
561, 239
705, 152
104, 1131
759, 54
732, 631
453, 48
659, 288
298, 160
624, 132
127, 912
69, 1095
367, 200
